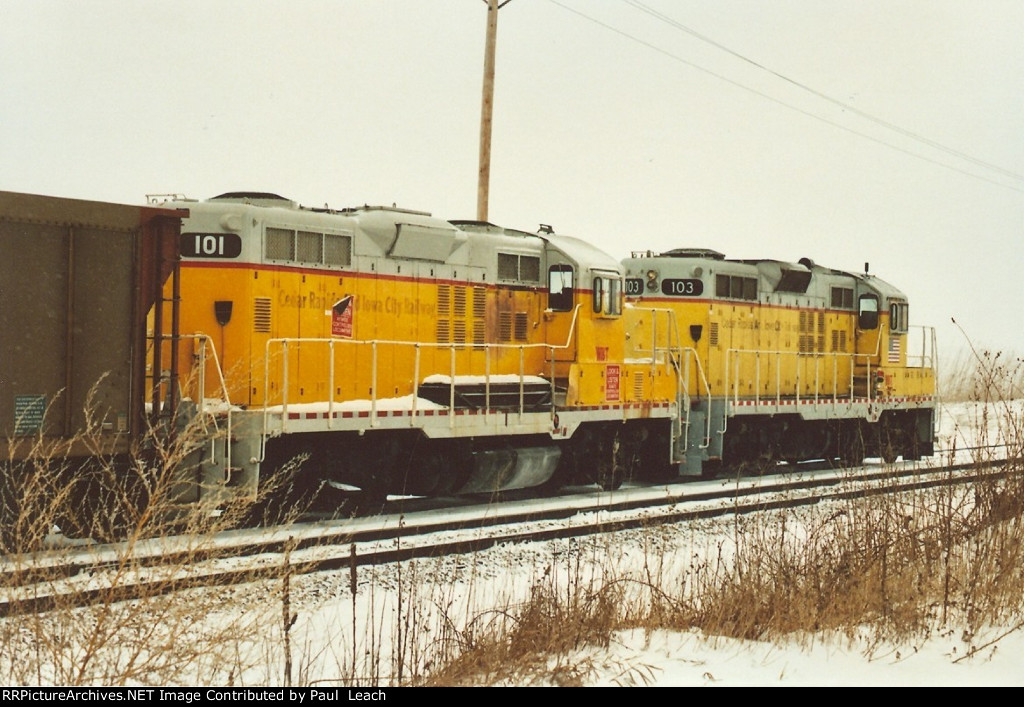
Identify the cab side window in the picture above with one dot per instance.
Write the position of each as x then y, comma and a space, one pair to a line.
607, 296
898, 317
561, 282
600, 294
615, 297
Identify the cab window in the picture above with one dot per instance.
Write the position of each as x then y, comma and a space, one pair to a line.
607, 296
898, 317
560, 288
867, 312
615, 297
600, 294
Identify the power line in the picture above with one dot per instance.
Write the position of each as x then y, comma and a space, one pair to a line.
846, 106
775, 100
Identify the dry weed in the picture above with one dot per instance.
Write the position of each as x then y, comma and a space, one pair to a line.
144, 501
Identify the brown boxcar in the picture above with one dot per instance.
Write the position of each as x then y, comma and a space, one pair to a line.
77, 280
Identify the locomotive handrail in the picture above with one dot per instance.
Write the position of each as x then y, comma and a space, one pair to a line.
928, 357
682, 367
702, 376
682, 392
416, 346
734, 355
201, 405
206, 339
927, 360
731, 384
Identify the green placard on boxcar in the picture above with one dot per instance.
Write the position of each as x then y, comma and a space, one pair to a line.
28, 413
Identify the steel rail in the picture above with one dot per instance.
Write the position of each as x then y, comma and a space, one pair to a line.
679, 506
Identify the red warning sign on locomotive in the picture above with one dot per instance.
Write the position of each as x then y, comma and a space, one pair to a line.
611, 382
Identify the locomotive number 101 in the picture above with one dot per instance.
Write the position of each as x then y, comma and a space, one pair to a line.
211, 245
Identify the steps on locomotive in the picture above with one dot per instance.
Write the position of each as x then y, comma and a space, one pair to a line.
862, 381
228, 463
689, 448
503, 395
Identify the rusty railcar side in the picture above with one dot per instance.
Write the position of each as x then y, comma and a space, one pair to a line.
77, 280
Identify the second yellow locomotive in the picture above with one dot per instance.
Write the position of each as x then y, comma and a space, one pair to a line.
796, 361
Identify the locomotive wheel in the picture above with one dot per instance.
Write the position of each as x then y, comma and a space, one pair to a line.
613, 462
581, 458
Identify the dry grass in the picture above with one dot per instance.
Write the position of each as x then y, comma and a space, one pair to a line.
139, 500
982, 375
901, 567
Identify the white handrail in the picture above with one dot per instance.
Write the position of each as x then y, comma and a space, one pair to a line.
453, 347
205, 340
733, 357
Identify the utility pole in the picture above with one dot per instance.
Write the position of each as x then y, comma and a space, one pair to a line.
487, 109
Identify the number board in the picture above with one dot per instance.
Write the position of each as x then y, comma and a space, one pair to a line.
634, 287
211, 245
682, 288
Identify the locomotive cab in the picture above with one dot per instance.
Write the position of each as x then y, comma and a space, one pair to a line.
584, 319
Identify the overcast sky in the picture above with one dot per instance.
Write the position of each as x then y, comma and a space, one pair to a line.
881, 131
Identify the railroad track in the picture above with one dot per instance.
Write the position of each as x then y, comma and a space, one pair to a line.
99, 574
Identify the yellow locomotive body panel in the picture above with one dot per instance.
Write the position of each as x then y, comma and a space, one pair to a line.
457, 328
790, 345
380, 327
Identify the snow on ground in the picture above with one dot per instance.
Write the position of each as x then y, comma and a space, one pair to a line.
411, 609
497, 579
666, 659
461, 590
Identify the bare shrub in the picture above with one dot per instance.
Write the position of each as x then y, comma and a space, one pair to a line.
124, 509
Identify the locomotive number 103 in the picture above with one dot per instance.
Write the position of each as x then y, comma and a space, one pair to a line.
688, 287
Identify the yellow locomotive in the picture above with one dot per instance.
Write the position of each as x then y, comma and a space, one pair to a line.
401, 353
794, 361
395, 352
